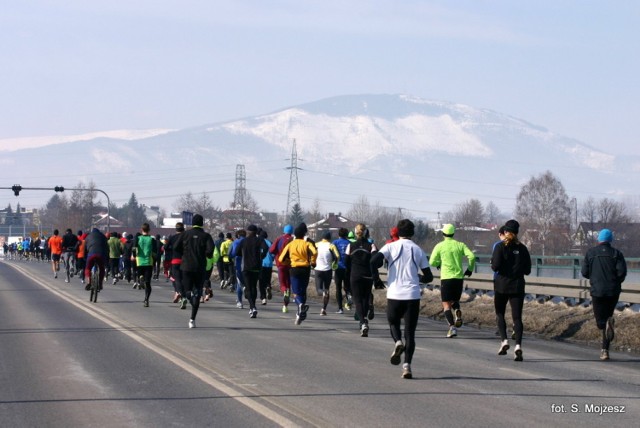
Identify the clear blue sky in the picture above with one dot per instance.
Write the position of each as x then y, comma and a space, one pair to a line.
78, 66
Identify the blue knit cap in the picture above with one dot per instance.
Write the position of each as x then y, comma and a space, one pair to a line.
605, 235
288, 229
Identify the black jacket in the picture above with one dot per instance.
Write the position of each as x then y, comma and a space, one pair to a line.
195, 245
96, 243
511, 263
606, 269
252, 249
70, 242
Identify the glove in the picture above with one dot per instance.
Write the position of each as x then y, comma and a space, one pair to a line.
467, 273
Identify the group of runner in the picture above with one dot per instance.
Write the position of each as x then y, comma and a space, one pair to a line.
245, 266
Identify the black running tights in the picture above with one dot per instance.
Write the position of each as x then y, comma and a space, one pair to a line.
516, 301
409, 310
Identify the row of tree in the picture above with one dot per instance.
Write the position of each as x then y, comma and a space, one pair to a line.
547, 215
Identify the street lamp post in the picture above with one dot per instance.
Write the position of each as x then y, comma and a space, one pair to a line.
16, 188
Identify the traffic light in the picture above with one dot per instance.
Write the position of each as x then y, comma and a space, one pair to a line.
59, 189
16, 189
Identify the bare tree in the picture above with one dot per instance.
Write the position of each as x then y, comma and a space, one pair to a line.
543, 206
315, 213
202, 205
361, 210
469, 213
610, 211
492, 213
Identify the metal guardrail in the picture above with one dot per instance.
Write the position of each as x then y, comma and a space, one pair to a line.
576, 288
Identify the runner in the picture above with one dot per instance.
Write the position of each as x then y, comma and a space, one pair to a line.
266, 272
606, 269
145, 249
302, 256
327, 255
69, 247
176, 259
115, 252
404, 259
511, 262
251, 251
447, 256
229, 268
81, 255
236, 259
284, 266
55, 246
195, 245
358, 263
341, 278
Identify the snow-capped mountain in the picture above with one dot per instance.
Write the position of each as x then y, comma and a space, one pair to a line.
400, 151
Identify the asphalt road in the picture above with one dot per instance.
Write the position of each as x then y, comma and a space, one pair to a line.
67, 362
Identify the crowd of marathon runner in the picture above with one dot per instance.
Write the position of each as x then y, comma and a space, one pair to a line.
244, 262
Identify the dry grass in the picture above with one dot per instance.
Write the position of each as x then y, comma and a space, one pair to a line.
547, 320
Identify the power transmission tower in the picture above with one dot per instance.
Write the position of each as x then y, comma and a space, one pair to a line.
294, 193
239, 196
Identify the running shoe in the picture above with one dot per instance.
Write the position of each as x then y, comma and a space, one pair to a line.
323, 312
192, 323
303, 312
458, 319
298, 320
183, 303
347, 306
269, 294
371, 314
146, 303
66, 280
356, 316
397, 352
55, 275
239, 305
253, 313
453, 332
364, 330
610, 331
263, 301
503, 347
518, 353
513, 335
285, 309
406, 371
340, 311
176, 297
88, 286
604, 355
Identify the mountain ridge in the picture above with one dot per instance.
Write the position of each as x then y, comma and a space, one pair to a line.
402, 151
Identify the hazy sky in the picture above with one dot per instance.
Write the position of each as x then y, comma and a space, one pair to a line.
71, 67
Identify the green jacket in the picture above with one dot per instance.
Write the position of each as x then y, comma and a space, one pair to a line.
115, 248
447, 256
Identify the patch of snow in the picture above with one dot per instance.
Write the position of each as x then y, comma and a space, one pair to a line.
13, 144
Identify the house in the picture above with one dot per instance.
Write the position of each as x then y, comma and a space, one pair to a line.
332, 223
626, 236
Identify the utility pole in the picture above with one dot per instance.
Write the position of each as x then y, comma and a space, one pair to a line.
293, 196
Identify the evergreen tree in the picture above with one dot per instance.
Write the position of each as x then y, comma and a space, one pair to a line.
296, 216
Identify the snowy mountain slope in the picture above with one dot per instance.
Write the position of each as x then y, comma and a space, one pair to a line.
424, 156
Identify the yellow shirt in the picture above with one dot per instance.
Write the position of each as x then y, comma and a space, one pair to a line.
300, 252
